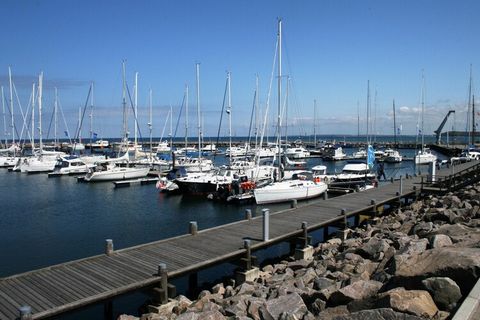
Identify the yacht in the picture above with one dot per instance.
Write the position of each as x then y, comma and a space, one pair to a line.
297, 153
336, 154
110, 170
70, 165
425, 156
352, 174
392, 156
299, 188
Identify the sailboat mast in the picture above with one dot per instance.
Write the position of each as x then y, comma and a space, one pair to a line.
11, 105
33, 117
136, 108
423, 108
358, 119
229, 111
197, 67
150, 125
315, 123
124, 105
256, 111
469, 104
186, 116
91, 116
368, 111
279, 95
394, 125
4, 118
55, 108
473, 120
40, 89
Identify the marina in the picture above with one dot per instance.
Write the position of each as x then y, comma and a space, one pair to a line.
181, 254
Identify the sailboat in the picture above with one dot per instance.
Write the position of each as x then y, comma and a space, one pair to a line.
424, 156
44, 161
296, 189
392, 155
109, 169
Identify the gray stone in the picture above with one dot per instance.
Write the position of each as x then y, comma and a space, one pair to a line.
127, 317
355, 291
321, 283
460, 264
416, 302
374, 249
445, 292
317, 306
188, 316
291, 303
378, 314
415, 246
440, 241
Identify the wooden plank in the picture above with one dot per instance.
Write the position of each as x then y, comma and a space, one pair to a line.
41, 288
24, 298
76, 292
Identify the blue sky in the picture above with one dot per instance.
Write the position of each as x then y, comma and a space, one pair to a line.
331, 49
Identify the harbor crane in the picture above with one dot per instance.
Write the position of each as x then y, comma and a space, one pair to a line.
440, 127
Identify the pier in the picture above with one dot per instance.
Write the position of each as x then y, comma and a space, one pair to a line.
68, 286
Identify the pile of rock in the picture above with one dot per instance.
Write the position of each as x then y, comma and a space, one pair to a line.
416, 263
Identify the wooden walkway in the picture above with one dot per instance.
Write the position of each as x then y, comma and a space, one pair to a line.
60, 288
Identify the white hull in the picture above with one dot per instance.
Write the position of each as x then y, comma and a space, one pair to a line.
117, 173
8, 161
36, 165
289, 190
425, 158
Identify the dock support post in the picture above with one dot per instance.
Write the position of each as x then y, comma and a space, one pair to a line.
193, 228
306, 252
421, 185
325, 195
108, 247
342, 234
163, 292
251, 273
108, 310
373, 202
266, 224
25, 313
193, 283
401, 185
248, 214
293, 204
325, 233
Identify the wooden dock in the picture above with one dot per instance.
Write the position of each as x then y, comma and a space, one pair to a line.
57, 289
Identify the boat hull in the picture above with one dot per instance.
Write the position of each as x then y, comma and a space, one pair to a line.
117, 174
270, 194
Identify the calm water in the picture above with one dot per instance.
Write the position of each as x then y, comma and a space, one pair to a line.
46, 221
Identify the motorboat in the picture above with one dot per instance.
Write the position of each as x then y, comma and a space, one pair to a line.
194, 164
299, 188
100, 144
110, 170
352, 174
392, 156
336, 154
70, 165
360, 154
202, 183
425, 156
162, 147
297, 153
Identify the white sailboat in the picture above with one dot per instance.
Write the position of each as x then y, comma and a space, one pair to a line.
424, 156
110, 169
298, 189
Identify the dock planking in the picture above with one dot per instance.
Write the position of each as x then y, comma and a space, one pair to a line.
56, 289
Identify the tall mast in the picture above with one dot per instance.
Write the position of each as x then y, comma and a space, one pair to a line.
136, 107
279, 96
315, 123
394, 125
229, 111
171, 127
40, 89
256, 111
199, 127
375, 117
186, 116
4, 118
473, 120
11, 105
150, 125
91, 115
286, 111
368, 111
469, 104
33, 117
358, 119
124, 105
423, 107
55, 108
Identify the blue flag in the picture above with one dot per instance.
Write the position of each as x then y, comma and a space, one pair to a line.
94, 135
66, 133
370, 156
